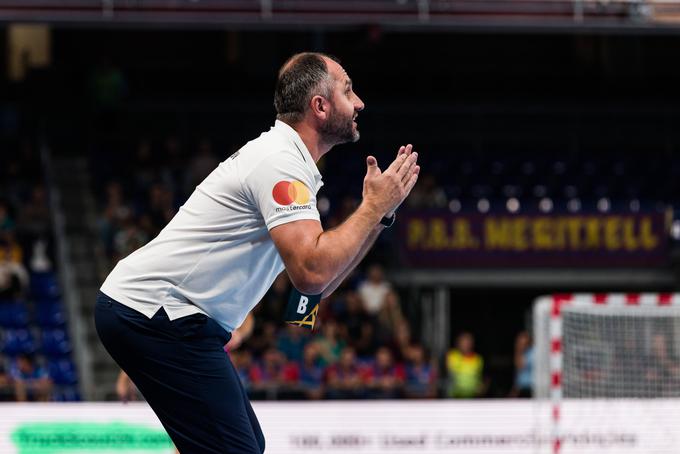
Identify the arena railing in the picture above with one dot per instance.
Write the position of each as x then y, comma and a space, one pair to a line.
346, 12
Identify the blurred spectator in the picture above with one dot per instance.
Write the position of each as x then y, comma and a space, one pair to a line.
464, 367
128, 239
174, 164
243, 363
353, 316
347, 206
663, 368
13, 275
20, 170
202, 164
427, 194
126, 389
344, 379
330, 345
144, 170
160, 206
6, 389
31, 382
240, 334
273, 371
13, 280
367, 342
34, 218
385, 378
273, 305
263, 339
311, 372
291, 342
401, 343
6, 219
374, 290
524, 366
40, 260
10, 250
116, 211
421, 375
389, 318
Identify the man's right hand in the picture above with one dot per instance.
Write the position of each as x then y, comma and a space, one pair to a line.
385, 191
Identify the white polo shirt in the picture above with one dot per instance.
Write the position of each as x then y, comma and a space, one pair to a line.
216, 255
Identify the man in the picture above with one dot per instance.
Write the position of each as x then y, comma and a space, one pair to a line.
465, 368
166, 310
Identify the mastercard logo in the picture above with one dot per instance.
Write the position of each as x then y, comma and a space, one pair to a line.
287, 192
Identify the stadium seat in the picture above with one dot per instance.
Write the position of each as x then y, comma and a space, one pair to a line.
55, 342
18, 341
62, 372
66, 394
50, 315
44, 286
13, 315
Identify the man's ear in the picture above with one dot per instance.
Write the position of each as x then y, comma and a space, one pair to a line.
319, 107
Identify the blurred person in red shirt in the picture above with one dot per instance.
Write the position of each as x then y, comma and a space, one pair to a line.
6, 388
385, 378
273, 371
345, 379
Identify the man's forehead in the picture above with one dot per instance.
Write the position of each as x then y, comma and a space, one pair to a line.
337, 70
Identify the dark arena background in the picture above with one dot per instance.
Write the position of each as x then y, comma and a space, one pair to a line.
523, 302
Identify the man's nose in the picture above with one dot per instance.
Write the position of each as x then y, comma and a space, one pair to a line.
359, 105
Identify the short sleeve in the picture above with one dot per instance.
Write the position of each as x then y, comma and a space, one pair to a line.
283, 188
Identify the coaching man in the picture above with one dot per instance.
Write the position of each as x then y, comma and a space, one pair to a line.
165, 311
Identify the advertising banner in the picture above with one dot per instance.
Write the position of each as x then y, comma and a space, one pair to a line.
408, 427
443, 239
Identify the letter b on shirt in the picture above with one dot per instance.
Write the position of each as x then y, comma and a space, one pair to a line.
302, 304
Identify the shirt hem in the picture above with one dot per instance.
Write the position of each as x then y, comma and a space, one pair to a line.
149, 310
297, 217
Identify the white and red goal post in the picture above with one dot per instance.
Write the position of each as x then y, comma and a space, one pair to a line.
605, 346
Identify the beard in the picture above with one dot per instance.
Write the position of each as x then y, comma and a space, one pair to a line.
339, 129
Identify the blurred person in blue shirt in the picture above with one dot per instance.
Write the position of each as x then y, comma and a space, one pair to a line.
291, 341
31, 382
385, 377
524, 366
312, 372
421, 374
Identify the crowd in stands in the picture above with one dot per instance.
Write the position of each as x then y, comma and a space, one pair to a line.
362, 348
35, 363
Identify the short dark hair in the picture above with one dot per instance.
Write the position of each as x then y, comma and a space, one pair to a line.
301, 77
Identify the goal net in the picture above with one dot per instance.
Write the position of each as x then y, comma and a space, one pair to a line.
605, 346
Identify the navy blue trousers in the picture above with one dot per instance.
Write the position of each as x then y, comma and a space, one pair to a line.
183, 372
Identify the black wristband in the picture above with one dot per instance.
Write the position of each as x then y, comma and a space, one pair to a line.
387, 222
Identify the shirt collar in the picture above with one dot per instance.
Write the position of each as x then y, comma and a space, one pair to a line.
292, 134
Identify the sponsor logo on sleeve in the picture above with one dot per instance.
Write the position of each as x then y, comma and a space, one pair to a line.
292, 195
